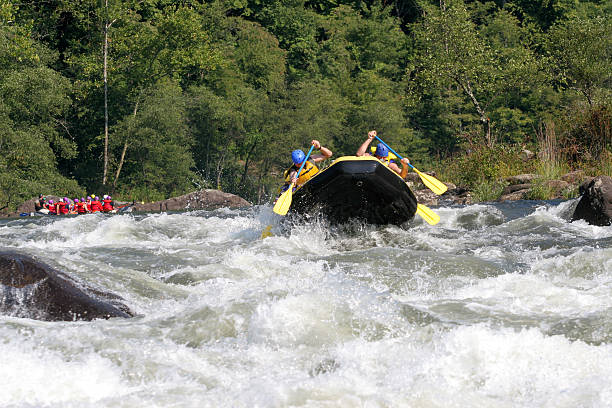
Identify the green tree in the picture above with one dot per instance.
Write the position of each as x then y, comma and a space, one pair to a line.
485, 67
259, 57
581, 50
34, 100
148, 42
298, 31
158, 158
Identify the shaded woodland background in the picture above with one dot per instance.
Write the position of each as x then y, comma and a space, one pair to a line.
150, 99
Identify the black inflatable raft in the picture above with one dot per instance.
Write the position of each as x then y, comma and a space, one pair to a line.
360, 188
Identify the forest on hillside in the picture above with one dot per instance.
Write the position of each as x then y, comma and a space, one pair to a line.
148, 99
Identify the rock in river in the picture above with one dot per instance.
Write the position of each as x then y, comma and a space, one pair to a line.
32, 289
595, 205
203, 199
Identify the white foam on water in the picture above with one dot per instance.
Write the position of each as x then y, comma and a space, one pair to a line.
586, 267
472, 217
306, 319
525, 368
531, 295
35, 374
313, 317
169, 230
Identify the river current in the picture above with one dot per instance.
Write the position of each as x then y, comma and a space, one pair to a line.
499, 305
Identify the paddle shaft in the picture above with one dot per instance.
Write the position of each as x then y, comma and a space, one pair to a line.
304, 162
284, 201
393, 151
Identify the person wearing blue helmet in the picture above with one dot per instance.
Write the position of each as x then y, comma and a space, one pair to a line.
382, 154
310, 167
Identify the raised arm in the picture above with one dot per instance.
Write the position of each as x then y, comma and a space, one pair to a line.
364, 146
325, 152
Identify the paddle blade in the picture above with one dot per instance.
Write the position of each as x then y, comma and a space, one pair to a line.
432, 183
427, 214
284, 202
267, 232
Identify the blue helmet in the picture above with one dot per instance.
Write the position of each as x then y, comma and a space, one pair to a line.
298, 156
381, 150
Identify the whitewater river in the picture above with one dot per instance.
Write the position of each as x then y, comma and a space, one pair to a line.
499, 305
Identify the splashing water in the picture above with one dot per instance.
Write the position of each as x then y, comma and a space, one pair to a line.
500, 305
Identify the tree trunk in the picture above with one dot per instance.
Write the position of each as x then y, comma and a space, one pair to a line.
105, 52
207, 165
107, 26
125, 146
261, 190
246, 164
220, 169
484, 119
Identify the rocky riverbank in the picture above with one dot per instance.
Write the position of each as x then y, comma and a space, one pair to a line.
519, 187
595, 205
198, 200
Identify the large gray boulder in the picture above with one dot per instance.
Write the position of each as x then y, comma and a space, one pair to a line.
522, 178
199, 200
595, 205
32, 289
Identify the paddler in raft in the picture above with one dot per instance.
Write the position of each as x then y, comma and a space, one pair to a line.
382, 154
40, 205
310, 168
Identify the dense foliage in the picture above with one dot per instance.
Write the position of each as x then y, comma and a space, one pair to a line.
153, 98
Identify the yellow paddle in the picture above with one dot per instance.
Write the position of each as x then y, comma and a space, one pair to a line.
284, 201
267, 232
431, 182
427, 214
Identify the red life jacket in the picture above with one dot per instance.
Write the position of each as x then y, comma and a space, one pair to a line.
61, 208
108, 206
52, 209
80, 207
96, 206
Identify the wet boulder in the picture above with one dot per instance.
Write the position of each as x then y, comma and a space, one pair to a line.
32, 289
526, 155
595, 205
198, 200
522, 179
575, 177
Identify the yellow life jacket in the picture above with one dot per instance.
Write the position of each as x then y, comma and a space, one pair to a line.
386, 160
309, 170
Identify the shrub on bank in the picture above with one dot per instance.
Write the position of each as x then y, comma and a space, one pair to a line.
482, 170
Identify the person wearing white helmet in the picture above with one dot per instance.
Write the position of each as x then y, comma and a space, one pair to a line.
107, 204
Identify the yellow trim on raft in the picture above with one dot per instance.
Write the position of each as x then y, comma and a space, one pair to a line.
360, 158
351, 158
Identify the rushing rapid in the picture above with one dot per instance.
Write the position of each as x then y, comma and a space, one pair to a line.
505, 305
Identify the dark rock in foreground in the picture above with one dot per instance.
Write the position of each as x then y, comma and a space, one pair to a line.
595, 205
35, 290
199, 200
